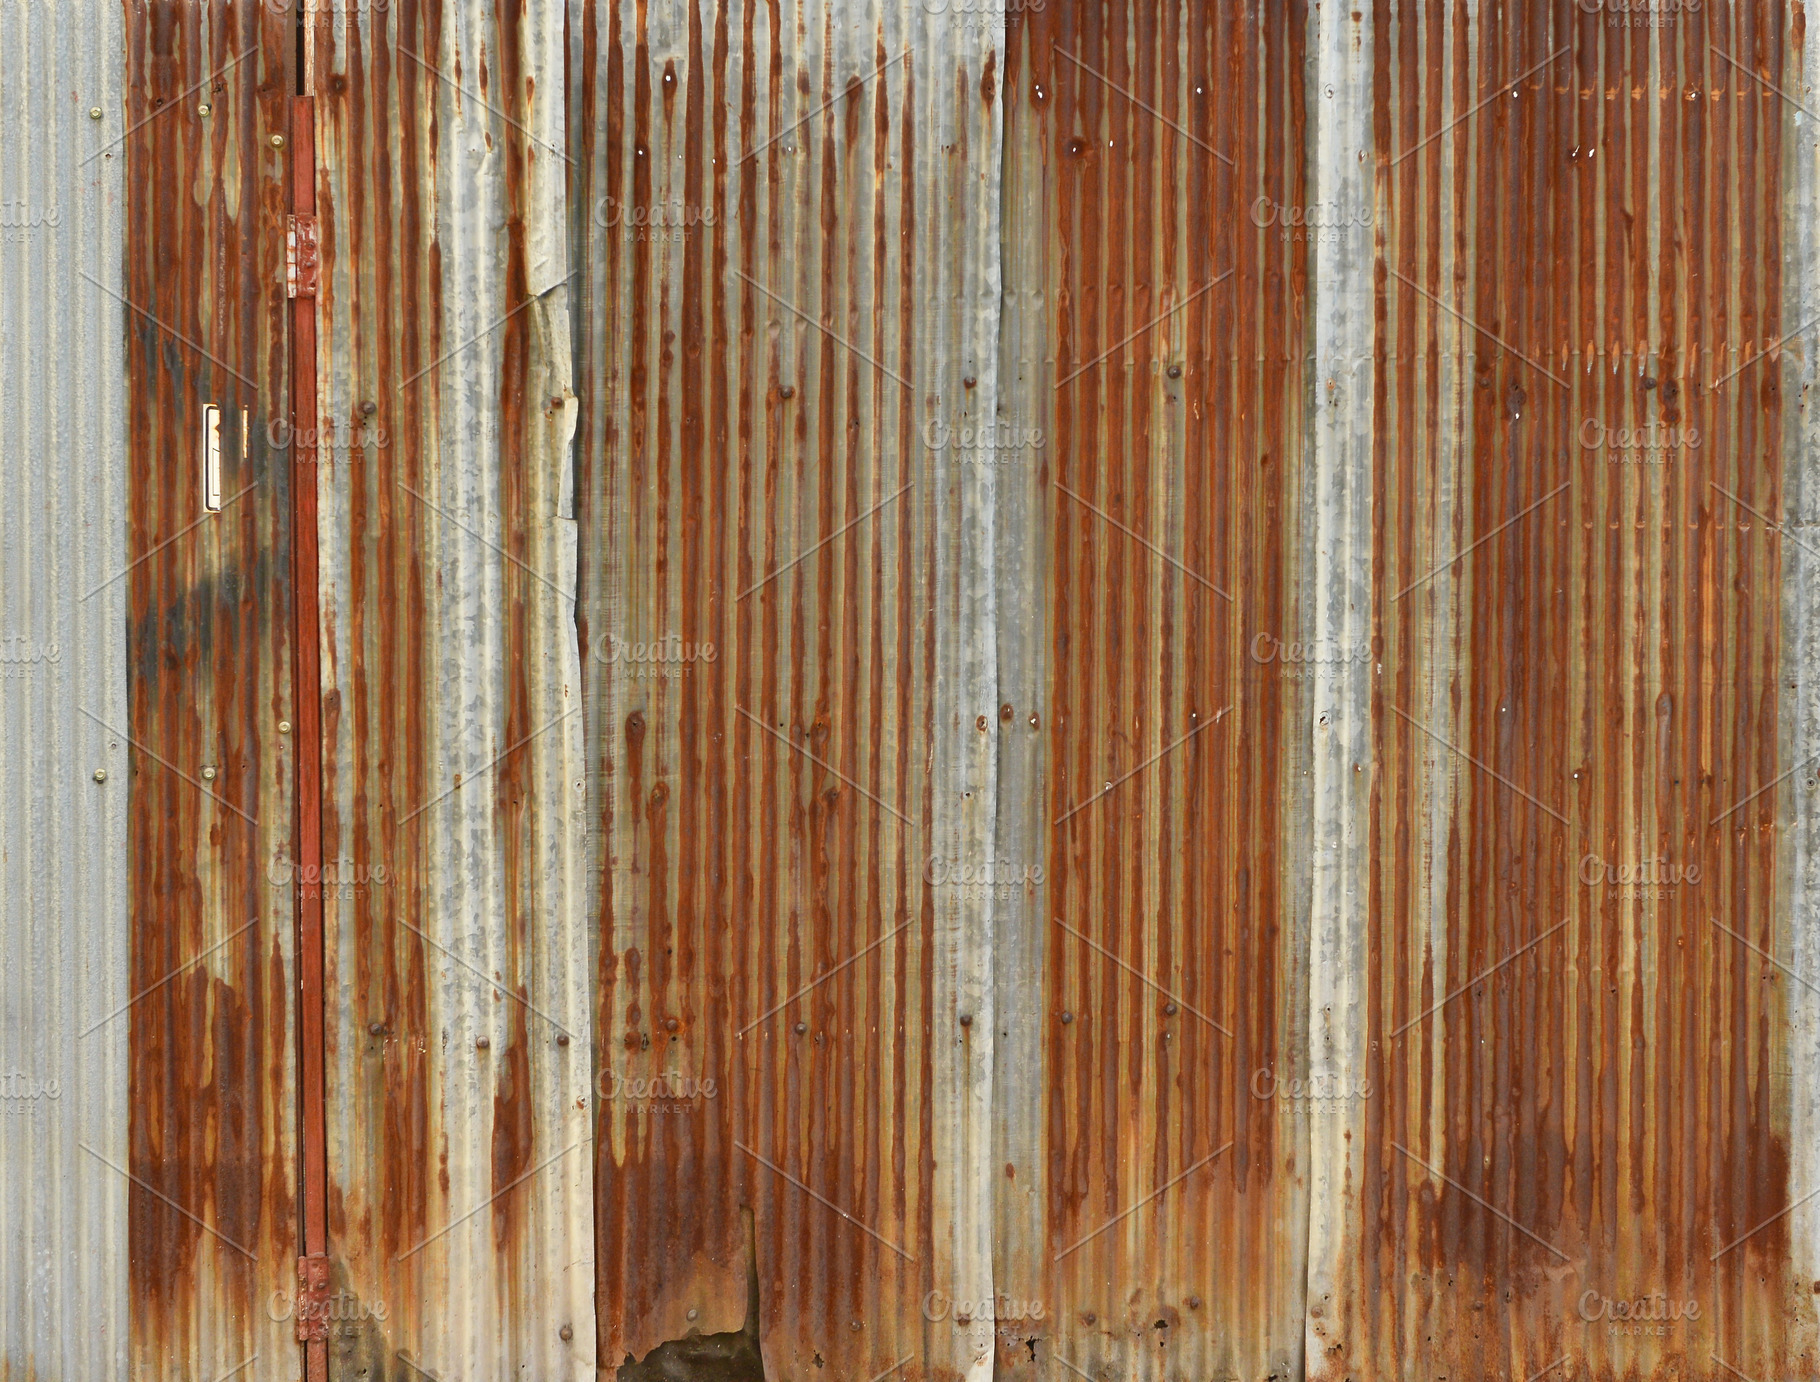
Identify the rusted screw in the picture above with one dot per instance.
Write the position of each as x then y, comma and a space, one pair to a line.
856, 1326
969, 382
1169, 1008
101, 774
980, 724
1175, 371
1005, 712
565, 1333
369, 407
562, 1038
1067, 1017
1090, 1318
1194, 1302
375, 1028
482, 1044
787, 391
966, 1019
671, 1024
801, 1027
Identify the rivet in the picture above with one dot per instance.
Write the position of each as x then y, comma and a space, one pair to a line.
787, 391
204, 110
369, 407
1194, 1302
94, 112
1090, 1318
208, 774
556, 400
375, 1028
562, 1038
856, 1326
1067, 1018
670, 1024
101, 774
966, 1019
801, 1027
278, 141
1169, 1008
482, 1044
693, 1313
1175, 371
969, 382
565, 1333
284, 726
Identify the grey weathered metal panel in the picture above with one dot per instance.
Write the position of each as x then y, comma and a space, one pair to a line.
64, 953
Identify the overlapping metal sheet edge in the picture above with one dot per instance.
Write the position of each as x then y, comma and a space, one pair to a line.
63, 836
459, 961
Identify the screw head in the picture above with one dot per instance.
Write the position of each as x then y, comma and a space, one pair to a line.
1194, 1302
787, 391
1169, 1008
284, 726
565, 1333
369, 407
208, 774
801, 1027
205, 110
375, 1028
562, 1038
278, 141
693, 1312
1175, 371
482, 1044
966, 1019
671, 1024
1067, 1018
101, 774
94, 112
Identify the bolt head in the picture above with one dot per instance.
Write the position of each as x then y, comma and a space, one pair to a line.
94, 112
101, 774
284, 726
278, 141
208, 774
205, 110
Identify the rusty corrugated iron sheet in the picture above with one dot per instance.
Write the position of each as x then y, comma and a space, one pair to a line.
790, 222
64, 946
211, 1223
1579, 1048
457, 948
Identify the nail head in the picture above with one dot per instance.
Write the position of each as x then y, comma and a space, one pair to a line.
566, 1333
482, 1044
101, 774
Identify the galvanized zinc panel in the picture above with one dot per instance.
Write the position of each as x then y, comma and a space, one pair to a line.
63, 835
457, 952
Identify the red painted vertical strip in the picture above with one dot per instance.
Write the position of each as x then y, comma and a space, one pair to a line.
307, 697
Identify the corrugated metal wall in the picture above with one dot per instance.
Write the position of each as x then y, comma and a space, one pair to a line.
66, 964
1147, 669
